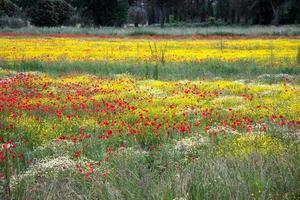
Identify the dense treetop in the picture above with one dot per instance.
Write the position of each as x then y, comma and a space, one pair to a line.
119, 12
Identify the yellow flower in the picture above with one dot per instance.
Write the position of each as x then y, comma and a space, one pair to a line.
265, 51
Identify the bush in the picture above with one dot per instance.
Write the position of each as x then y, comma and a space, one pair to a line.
74, 20
12, 22
137, 15
8, 8
80, 18
211, 21
51, 13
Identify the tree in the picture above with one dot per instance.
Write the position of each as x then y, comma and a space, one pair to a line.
115, 12
223, 10
121, 13
25, 3
268, 11
50, 13
275, 5
162, 5
8, 8
107, 12
137, 15
102, 11
293, 12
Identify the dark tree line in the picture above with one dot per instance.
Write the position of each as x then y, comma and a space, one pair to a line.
116, 12
231, 11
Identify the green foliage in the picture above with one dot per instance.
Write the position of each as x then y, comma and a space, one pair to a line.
107, 12
172, 71
245, 12
24, 4
212, 20
298, 56
155, 72
120, 14
184, 169
139, 32
12, 22
146, 71
50, 13
8, 8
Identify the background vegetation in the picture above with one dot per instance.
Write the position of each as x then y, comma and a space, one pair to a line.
116, 12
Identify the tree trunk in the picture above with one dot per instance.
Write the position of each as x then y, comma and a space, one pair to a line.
236, 17
276, 17
136, 25
175, 14
162, 16
167, 16
275, 9
151, 16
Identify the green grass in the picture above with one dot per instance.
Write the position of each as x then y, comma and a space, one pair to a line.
182, 167
214, 69
170, 173
153, 30
141, 32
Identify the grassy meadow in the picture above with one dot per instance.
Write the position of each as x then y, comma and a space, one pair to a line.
150, 117
172, 29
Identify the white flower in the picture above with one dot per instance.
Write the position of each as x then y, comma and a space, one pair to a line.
189, 144
180, 198
45, 166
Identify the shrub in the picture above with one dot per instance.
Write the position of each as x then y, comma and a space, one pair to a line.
51, 13
137, 15
211, 21
8, 8
80, 18
74, 20
12, 22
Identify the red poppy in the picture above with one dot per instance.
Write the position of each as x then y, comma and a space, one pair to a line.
108, 133
182, 129
2, 156
77, 154
100, 137
207, 128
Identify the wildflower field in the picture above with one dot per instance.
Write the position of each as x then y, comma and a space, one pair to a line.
109, 49
149, 117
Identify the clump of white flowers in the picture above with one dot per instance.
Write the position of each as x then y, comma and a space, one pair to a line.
53, 166
130, 151
188, 145
44, 167
180, 198
55, 148
223, 130
286, 77
276, 77
294, 135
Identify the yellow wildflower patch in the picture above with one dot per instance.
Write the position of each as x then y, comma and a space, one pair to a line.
51, 49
